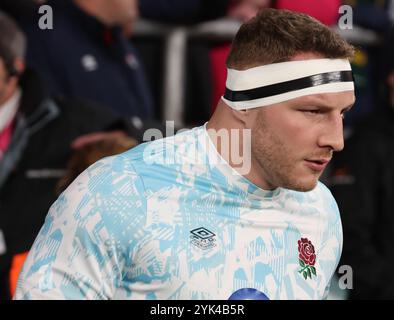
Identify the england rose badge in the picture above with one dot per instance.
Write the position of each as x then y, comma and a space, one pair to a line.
306, 258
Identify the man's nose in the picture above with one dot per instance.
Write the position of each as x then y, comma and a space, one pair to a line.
332, 134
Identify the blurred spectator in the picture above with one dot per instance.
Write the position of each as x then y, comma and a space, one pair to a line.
326, 11
362, 181
183, 12
36, 132
87, 55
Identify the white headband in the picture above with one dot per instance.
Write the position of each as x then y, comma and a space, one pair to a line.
278, 82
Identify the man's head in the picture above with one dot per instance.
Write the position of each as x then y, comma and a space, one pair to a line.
12, 53
111, 12
294, 133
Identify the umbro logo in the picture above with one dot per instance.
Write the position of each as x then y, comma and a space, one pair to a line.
203, 238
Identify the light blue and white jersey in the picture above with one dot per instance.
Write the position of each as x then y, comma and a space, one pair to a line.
165, 221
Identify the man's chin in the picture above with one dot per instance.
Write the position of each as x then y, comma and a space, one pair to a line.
302, 186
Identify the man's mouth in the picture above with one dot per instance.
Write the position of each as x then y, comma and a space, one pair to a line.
317, 165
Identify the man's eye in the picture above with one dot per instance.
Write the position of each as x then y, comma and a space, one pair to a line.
312, 111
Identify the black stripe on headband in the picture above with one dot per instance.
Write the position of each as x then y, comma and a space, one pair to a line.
287, 86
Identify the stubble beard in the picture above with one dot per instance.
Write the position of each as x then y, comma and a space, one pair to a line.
277, 163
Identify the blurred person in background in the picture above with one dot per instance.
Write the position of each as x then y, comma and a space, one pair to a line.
362, 181
194, 11
87, 55
36, 133
326, 11
184, 12
60, 58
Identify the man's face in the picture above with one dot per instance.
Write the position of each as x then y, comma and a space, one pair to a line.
293, 141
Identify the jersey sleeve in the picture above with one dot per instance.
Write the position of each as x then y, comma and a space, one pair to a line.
87, 240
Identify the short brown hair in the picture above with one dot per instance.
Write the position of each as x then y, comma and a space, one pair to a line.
274, 36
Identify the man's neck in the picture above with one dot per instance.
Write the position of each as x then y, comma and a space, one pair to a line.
93, 9
237, 149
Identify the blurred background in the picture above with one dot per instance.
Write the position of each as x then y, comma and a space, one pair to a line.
83, 79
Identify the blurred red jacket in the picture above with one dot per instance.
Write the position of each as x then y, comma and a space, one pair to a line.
326, 11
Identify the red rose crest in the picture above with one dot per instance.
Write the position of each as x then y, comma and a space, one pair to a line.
307, 258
